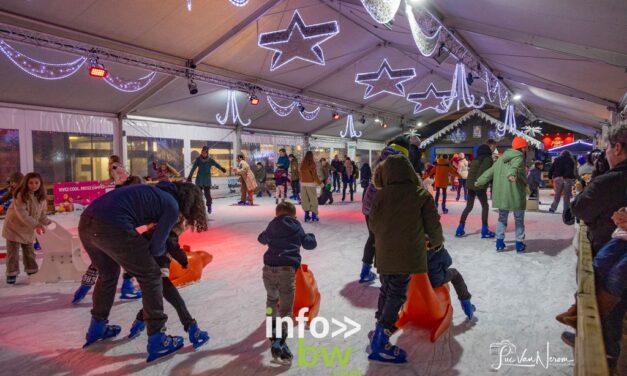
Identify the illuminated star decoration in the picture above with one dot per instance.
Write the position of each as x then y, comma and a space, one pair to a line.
532, 131
385, 80
430, 99
298, 41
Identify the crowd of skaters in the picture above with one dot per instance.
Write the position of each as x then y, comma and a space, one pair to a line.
600, 201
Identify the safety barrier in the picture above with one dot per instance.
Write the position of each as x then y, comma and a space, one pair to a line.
590, 357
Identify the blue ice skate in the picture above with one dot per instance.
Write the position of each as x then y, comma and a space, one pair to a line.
366, 275
128, 291
136, 329
383, 351
99, 330
468, 307
161, 344
460, 231
196, 336
80, 293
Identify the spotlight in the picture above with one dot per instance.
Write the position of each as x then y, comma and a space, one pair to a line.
301, 108
420, 123
336, 116
193, 88
362, 120
385, 125
377, 120
252, 98
517, 97
98, 71
470, 78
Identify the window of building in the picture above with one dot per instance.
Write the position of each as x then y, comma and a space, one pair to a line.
263, 153
9, 152
64, 157
362, 155
222, 152
322, 153
142, 151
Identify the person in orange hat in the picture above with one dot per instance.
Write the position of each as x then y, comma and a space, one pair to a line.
509, 191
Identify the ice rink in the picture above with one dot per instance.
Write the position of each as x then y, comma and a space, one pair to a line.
516, 295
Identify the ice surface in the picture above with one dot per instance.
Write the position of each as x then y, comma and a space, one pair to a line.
516, 295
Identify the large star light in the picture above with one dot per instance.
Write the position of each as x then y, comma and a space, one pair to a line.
298, 41
430, 99
385, 80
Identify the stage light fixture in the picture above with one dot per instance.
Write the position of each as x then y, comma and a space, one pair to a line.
516, 97
252, 98
385, 125
98, 71
336, 116
192, 86
301, 108
362, 120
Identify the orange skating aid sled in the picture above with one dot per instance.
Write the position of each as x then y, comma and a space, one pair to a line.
427, 307
196, 262
306, 294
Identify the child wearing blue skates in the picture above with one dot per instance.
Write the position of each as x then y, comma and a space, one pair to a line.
107, 230
170, 293
440, 273
284, 236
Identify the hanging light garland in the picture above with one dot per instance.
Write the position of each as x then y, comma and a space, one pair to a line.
53, 71
350, 128
460, 92
40, 69
510, 121
285, 111
382, 11
494, 91
129, 86
237, 3
427, 44
231, 104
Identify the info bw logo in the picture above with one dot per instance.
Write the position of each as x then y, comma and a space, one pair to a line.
319, 327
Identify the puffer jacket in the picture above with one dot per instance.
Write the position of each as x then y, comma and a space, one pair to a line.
403, 214
505, 194
284, 236
22, 219
441, 171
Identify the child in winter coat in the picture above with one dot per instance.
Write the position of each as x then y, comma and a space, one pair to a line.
284, 236
462, 170
402, 215
441, 171
534, 179
170, 293
440, 273
25, 217
262, 180
309, 181
325, 195
280, 180
294, 178
164, 171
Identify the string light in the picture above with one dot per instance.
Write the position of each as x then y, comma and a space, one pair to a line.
385, 80
129, 86
532, 131
460, 91
382, 11
284, 111
231, 104
350, 128
304, 44
426, 44
40, 69
189, 5
238, 3
429, 99
458, 136
510, 121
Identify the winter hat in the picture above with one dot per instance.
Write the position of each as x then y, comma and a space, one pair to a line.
400, 143
519, 143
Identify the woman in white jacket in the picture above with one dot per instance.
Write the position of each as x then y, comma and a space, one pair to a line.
462, 170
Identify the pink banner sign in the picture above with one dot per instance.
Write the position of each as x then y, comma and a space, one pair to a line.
68, 195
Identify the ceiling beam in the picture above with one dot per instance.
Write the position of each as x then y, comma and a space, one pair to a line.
144, 96
254, 16
588, 52
558, 88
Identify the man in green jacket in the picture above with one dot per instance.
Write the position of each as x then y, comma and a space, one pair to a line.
402, 216
509, 191
203, 179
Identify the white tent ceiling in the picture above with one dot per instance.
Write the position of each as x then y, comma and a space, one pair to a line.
567, 59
